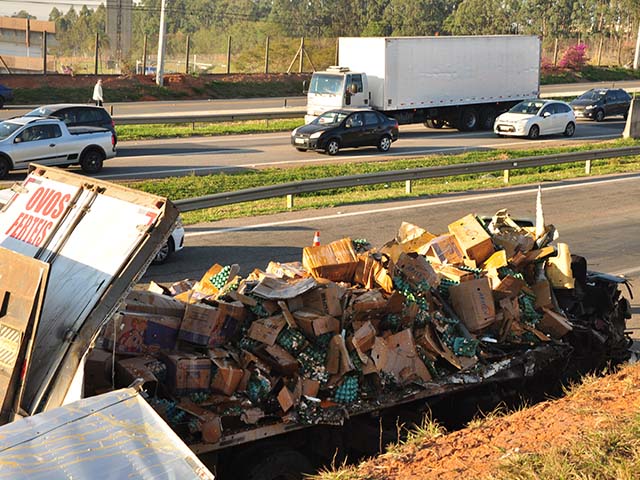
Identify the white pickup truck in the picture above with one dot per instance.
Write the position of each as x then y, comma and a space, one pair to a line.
48, 141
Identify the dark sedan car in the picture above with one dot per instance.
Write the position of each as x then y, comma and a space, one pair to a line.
77, 115
599, 103
338, 129
6, 95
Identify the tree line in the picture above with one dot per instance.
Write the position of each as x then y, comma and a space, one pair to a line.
251, 21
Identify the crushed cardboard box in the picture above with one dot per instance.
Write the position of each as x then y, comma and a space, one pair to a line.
300, 338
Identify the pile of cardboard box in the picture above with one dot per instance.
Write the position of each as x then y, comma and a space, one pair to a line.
307, 341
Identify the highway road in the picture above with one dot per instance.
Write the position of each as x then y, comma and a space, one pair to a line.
597, 217
207, 155
213, 106
201, 155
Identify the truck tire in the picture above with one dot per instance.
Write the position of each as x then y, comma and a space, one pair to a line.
599, 116
5, 167
384, 144
333, 147
534, 132
91, 161
468, 120
434, 123
487, 119
280, 465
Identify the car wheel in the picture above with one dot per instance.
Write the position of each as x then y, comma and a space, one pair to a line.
91, 161
301, 149
534, 132
333, 147
5, 168
599, 116
384, 144
570, 129
164, 253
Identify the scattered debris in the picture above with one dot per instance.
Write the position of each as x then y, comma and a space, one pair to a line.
352, 325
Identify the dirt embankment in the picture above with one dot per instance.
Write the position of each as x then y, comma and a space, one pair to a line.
475, 452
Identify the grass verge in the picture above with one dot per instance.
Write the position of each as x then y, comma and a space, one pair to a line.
197, 186
181, 130
609, 453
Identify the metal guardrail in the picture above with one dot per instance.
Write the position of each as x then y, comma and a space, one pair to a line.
292, 188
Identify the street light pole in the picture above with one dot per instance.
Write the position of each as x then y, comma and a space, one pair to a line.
160, 64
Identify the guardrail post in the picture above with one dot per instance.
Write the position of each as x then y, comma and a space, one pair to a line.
587, 167
505, 176
111, 110
289, 201
408, 187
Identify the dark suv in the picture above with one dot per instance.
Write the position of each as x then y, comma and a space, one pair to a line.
599, 103
75, 115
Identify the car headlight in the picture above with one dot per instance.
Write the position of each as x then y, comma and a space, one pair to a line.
295, 130
589, 107
316, 135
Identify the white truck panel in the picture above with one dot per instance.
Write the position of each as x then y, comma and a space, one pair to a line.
89, 235
419, 72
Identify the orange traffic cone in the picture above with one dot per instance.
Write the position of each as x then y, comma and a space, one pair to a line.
316, 239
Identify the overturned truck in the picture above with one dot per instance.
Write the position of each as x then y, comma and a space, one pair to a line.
272, 373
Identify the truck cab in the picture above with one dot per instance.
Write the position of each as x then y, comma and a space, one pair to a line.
335, 88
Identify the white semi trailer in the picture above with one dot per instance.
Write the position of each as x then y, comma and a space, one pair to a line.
463, 82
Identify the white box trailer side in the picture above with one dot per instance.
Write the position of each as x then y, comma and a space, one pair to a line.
416, 72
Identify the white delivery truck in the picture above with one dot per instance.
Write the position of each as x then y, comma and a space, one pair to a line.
463, 82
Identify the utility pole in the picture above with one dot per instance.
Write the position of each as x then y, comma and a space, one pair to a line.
636, 57
160, 64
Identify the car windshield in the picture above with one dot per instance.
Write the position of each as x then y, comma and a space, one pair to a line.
330, 118
7, 128
39, 112
528, 107
592, 95
326, 84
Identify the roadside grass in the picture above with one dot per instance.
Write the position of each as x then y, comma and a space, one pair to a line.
612, 452
181, 130
286, 85
177, 188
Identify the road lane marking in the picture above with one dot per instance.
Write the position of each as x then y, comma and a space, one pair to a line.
321, 159
448, 201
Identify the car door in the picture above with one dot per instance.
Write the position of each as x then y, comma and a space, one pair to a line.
548, 120
353, 135
372, 128
36, 143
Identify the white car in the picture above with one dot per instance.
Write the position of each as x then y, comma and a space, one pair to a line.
174, 243
532, 118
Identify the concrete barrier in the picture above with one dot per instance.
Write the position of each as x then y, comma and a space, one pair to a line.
632, 128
